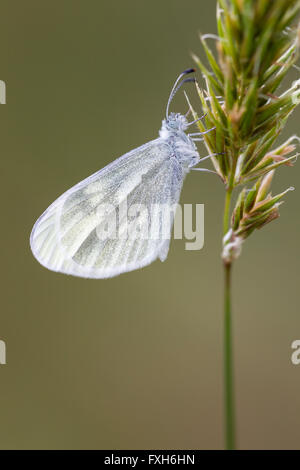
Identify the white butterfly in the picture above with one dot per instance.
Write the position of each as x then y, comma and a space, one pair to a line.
71, 236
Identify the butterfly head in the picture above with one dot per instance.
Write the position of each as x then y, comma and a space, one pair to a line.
175, 123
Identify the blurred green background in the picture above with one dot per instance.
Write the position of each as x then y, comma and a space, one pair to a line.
134, 361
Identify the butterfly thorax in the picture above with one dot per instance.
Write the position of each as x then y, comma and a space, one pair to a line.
173, 131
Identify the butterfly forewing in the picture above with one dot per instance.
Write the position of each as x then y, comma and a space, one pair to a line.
75, 236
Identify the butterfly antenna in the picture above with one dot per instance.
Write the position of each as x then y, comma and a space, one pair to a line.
176, 87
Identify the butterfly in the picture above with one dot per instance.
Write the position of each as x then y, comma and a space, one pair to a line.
77, 233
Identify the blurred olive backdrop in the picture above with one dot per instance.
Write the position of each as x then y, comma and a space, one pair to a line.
134, 361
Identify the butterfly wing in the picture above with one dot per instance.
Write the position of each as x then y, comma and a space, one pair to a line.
74, 235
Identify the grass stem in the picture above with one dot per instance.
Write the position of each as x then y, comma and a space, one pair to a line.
228, 364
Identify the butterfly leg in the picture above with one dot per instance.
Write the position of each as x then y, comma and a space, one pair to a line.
196, 120
205, 158
205, 170
205, 132
211, 155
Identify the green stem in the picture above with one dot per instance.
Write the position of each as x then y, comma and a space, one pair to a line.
227, 210
228, 359
228, 364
